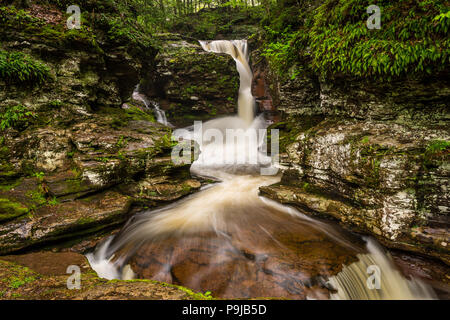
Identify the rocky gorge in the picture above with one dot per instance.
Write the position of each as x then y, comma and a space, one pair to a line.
81, 156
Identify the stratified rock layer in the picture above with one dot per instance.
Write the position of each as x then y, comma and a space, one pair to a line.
381, 178
85, 155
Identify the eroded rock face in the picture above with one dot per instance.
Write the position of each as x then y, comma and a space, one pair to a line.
94, 158
86, 154
385, 179
402, 100
191, 84
65, 220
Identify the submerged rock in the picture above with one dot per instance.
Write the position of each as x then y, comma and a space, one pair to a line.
260, 253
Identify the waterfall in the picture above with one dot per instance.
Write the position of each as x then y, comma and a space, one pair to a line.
160, 114
230, 218
238, 49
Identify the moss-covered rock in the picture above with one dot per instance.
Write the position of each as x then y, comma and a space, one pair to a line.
64, 220
67, 144
44, 276
10, 209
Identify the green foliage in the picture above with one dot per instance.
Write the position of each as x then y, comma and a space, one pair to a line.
16, 282
55, 104
15, 117
436, 152
122, 142
334, 39
125, 31
18, 68
53, 201
15, 18
166, 142
39, 175
438, 146
279, 53
207, 24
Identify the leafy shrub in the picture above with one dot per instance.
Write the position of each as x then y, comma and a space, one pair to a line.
279, 53
15, 117
334, 39
16, 67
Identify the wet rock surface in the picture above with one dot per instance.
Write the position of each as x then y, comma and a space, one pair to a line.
403, 100
87, 154
435, 273
261, 254
65, 220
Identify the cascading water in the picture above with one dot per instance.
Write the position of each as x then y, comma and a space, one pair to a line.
351, 282
238, 49
160, 114
228, 240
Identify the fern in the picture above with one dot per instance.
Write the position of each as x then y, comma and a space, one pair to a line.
18, 68
15, 117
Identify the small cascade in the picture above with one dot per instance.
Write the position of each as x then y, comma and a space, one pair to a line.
238, 49
354, 282
151, 105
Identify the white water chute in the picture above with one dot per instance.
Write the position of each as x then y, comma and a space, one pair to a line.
355, 281
238, 49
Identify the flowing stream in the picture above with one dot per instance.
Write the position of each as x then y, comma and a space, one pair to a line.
229, 240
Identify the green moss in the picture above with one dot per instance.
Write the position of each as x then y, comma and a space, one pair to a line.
55, 104
121, 117
18, 275
290, 129
8, 185
16, 282
10, 209
195, 295
438, 147
74, 185
11, 17
37, 196
85, 220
